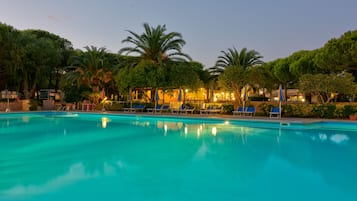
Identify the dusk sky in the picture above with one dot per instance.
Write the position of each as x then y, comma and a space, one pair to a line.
275, 28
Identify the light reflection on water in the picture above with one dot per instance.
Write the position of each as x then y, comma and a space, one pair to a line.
137, 158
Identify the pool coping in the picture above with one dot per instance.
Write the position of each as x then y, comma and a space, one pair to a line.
211, 116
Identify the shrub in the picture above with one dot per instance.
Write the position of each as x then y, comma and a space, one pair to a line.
266, 108
34, 104
348, 110
228, 109
324, 111
114, 106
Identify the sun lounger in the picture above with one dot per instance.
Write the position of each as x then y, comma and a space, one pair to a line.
153, 109
275, 111
178, 110
159, 108
211, 110
135, 108
239, 111
164, 108
250, 111
188, 109
247, 111
183, 109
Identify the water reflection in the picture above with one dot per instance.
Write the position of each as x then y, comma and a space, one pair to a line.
179, 156
105, 121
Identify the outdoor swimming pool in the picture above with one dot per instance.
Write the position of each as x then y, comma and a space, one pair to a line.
79, 156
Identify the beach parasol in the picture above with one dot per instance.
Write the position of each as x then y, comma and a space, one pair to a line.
281, 98
102, 96
179, 97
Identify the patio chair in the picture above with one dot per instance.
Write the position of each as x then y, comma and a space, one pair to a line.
250, 111
239, 111
211, 110
163, 108
153, 110
275, 111
187, 109
135, 108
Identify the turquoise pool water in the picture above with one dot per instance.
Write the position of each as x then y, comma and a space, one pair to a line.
60, 156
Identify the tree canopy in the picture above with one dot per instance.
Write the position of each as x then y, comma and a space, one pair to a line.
35, 59
327, 86
155, 44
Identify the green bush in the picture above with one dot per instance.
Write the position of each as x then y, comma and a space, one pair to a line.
297, 110
114, 106
348, 110
34, 105
310, 110
228, 109
266, 108
324, 111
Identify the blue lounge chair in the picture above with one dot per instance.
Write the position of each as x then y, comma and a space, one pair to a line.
135, 108
211, 110
153, 110
239, 111
275, 111
186, 109
159, 108
178, 110
163, 108
250, 111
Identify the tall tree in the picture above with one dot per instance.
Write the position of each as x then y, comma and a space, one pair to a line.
243, 59
156, 45
8, 35
261, 77
91, 68
326, 86
303, 62
32, 58
339, 54
232, 67
183, 75
281, 70
60, 60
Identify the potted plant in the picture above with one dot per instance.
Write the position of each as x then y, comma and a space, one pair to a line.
353, 117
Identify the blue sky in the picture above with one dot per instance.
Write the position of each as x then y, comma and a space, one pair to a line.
274, 28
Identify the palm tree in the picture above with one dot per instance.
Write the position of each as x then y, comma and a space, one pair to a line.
231, 69
244, 59
155, 45
90, 68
